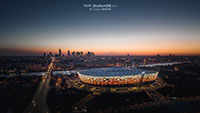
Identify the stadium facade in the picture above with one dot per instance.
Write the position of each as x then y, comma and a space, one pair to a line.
116, 76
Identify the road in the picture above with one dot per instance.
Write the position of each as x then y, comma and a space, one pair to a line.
39, 101
82, 104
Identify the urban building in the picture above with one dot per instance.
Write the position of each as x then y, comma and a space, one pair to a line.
44, 54
68, 53
60, 52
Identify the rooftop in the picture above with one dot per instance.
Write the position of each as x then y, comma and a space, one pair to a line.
114, 71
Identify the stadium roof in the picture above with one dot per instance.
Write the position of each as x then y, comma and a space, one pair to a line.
114, 71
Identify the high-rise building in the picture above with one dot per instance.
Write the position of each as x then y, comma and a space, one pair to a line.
60, 52
78, 53
81, 53
68, 53
145, 61
89, 53
50, 54
93, 54
44, 54
73, 53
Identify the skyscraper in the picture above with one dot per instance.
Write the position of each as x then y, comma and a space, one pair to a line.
68, 53
81, 53
50, 54
89, 54
60, 52
44, 54
73, 53
78, 53
93, 54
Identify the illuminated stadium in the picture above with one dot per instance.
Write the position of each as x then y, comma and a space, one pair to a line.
116, 76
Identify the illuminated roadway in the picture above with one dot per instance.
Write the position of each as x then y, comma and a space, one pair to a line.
39, 101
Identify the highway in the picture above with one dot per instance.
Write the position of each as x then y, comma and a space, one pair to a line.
82, 104
39, 101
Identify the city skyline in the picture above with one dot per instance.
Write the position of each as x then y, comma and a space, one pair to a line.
30, 52
133, 27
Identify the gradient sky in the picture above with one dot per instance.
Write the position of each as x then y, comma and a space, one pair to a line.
137, 27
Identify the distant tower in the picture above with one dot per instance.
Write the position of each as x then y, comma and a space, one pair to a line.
60, 52
93, 54
81, 53
73, 53
50, 54
78, 53
68, 53
89, 54
44, 54
144, 61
